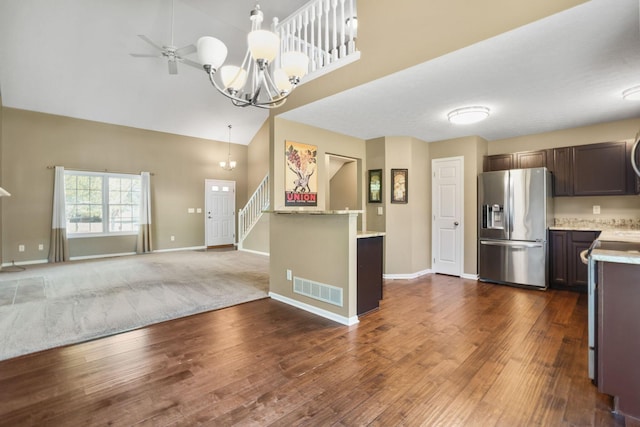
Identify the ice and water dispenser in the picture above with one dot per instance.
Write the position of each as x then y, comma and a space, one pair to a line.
493, 217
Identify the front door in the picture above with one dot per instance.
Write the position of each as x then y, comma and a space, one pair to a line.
447, 206
220, 208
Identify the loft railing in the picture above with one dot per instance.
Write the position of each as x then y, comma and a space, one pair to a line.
325, 30
251, 213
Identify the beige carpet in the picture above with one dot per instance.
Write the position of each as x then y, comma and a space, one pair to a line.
48, 306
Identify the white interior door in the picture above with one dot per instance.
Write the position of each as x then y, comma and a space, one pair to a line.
447, 205
220, 212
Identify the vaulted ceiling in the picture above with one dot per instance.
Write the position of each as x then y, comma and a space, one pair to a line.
71, 58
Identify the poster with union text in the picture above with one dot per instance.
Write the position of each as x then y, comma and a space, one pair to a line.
301, 179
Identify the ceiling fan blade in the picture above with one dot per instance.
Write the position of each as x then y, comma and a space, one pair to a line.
148, 40
186, 50
191, 63
173, 67
145, 55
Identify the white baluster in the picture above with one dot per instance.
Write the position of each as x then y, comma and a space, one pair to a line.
343, 22
306, 32
312, 53
327, 46
320, 56
352, 43
334, 33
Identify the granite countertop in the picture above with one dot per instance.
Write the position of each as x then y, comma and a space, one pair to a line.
622, 246
581, 224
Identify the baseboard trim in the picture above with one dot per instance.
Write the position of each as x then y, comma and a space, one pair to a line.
347, 321
251, 251
193, 248
469, 276
85, 257
32, 262
407, 276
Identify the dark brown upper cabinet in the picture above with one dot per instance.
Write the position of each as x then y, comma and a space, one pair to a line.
602, 169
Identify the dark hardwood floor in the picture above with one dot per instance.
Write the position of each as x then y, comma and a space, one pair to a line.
440, 351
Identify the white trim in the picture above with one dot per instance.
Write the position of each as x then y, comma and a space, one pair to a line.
12, 263
408, 276
347, 321
469, 276
193, 248
252, 251
79, 258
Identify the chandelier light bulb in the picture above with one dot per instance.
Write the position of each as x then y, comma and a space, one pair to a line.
468, 115
295, 64
211, 51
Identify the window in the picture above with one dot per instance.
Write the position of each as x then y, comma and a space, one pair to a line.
101, 203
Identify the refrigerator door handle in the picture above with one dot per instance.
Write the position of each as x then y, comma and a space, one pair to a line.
511, 205
512, 244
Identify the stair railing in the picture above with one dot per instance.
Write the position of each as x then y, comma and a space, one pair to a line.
249, 215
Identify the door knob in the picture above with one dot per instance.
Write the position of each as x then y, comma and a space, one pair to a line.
456, 223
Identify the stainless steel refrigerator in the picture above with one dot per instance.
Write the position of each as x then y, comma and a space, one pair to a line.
515, 210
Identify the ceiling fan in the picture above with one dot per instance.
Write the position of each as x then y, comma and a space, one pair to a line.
172, 53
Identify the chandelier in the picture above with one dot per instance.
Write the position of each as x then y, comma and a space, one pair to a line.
256, 82
229, 165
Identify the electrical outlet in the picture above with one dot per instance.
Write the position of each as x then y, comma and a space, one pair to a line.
20, 248
191, 210
289, 275
199, 210
596, 209
41, 247
173, 238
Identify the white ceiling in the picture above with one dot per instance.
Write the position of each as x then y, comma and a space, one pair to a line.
71, 58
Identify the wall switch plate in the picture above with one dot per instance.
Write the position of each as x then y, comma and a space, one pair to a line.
380, 210
596, 209
20, 248
289, 275
191, 210
199, 210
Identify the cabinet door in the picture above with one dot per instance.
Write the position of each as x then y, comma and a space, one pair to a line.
558, 268
601, 169
578, 271
562, 172
530, 159
369, 279
498, 162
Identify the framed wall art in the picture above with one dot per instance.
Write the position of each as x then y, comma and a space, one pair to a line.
301, 180
375, 186
399, 185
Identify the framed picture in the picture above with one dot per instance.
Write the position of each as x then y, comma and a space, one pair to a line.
399, 185
301, 180
375, 186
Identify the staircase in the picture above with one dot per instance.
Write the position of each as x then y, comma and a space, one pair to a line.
252, 211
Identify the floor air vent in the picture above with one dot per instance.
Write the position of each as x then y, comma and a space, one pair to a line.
319, 291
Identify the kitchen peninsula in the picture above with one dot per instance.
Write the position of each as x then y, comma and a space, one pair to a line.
314, 262
614, 330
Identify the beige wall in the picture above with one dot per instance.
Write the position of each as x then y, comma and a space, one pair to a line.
321, 248
376, 160
420, 201
473, 149
439, 27
343, 186
257, 155
327, 142
627, 207
33, 141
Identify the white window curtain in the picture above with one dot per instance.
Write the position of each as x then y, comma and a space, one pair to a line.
59, 245
144, 234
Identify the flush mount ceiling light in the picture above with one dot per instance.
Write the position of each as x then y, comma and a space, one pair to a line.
257, 82
632, 94
468, 115
229, 165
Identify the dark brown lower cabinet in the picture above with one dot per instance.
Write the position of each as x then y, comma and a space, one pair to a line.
566, 269
369, 274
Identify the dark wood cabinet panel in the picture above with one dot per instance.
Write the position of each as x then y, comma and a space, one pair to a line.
530, 159
558, 267
561, 169
369, 282
498, 162
601, 169
566, 269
